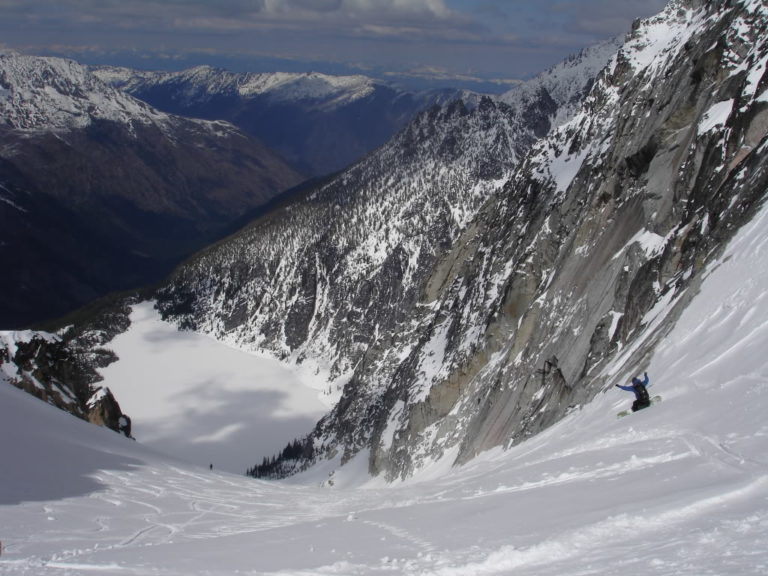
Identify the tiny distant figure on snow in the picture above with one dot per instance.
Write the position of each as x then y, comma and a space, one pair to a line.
210, 466
640, 388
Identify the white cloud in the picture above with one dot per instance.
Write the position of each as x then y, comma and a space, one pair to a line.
358, 8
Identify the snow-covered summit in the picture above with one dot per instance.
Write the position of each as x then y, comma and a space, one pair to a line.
566, 82
207, 82
656, 41
309, 86
40, 93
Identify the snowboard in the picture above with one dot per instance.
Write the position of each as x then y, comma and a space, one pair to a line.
654, 400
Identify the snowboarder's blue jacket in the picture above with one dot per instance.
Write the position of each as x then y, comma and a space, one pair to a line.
635, 381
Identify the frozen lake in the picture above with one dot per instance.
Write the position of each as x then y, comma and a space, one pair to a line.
204, 402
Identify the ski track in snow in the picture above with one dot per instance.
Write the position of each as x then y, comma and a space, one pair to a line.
661, 501
681, 488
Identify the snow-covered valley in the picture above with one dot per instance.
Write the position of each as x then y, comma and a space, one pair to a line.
681, 488
198, 399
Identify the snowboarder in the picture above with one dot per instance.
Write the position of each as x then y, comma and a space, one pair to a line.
640, 388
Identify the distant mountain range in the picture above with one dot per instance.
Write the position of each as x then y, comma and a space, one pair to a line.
318, 123
99, 191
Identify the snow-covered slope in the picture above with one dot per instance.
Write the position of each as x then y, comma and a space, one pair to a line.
681, 488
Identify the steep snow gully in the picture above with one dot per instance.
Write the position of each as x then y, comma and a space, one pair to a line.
681, 488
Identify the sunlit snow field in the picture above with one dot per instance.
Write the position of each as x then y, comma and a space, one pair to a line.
202, 401
680, 488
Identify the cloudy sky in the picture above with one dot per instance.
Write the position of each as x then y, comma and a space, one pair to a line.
460, 41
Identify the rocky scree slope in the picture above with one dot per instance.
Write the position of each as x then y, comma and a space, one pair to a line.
99, 191
333, 278
317, 122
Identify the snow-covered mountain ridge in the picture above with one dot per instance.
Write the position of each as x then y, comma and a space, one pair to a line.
100, 192
205, 82
53, 94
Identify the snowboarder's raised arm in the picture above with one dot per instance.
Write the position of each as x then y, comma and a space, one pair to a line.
645, 374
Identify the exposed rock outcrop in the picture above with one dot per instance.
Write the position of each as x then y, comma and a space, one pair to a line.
62, 371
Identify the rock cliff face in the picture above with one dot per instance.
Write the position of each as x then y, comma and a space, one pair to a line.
576, 269
99, 191
61, 368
